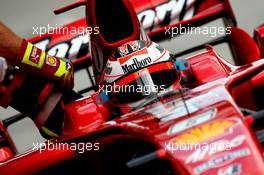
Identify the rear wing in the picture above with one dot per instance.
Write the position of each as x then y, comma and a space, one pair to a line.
156, 17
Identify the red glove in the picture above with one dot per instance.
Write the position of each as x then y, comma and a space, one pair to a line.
37, 61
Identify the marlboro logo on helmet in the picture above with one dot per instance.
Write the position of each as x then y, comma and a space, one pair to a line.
136, 65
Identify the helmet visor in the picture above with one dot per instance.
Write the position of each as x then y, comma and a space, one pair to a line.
143, 83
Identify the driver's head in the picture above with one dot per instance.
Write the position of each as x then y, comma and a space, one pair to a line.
136, 70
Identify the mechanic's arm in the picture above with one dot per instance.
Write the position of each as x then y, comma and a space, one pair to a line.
9, 44
20, 52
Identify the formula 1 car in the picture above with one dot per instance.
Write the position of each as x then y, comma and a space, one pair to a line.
220, 107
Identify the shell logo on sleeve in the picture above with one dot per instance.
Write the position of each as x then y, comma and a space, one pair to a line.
51, 61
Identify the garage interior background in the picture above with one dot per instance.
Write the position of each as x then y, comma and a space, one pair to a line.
22, 15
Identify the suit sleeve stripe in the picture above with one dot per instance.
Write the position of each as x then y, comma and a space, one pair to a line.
28, 60
61, 70
27, 53
42, 59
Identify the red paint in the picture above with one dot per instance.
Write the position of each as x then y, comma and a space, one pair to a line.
217, 87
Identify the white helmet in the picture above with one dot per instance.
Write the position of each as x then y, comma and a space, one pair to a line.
137, 69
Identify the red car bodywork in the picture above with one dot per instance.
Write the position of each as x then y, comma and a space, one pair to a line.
208, 113
85, 119
204, 12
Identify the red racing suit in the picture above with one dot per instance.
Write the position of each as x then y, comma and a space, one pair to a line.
38, 62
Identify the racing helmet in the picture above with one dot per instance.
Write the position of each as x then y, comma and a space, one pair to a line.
136, 70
